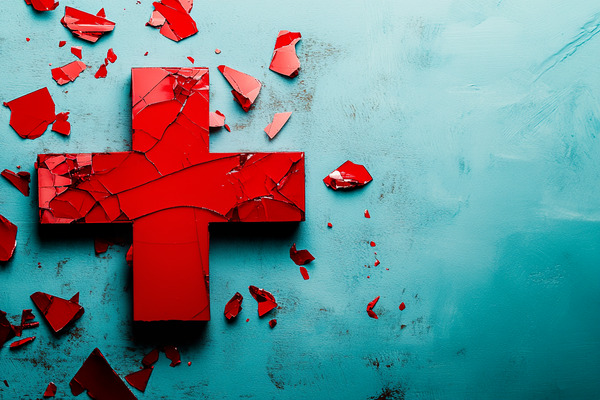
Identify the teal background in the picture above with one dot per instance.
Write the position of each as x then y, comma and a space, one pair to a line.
479, 123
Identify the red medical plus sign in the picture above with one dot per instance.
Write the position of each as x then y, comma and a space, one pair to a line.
171, 188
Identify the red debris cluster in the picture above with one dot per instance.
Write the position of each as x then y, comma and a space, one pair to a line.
19, 343
58, 312
279, 120
50, 390
370, 307
172, 354
174, 19
348, 176
42, 5
86, 26
266, 301
20, 180
77, 51
8, 239
300, 257
68, 73
285, 61
111, 57
234, 306
7, 330
245, 87
272, 323
62, 124
304, 273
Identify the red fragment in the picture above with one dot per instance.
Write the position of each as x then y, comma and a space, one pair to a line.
100, 380
279, 120
233, 306
7, 330
139, 379
26, 317
304, 273
6, 383
150, 358
77, 50
300, 257
110, 56
189, 363
216, 119
32, 113
102, 72
62, 125
285, 61
22, 342
402, 306
367, 215
62, 43
101, 245
145, 54
370, 307
173, 354
68, 73
266, 301
173, 18
272, 323
373, 244
20, 180
348, 176
86, 26
245, 87
129, 256
377, 262
217, 51
227, 128
191, 59
247, 319
58, 312
8, 239
42, 5
329, 225
402, 326
50, 390
27, 39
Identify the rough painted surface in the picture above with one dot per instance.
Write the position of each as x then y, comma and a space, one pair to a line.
478, 121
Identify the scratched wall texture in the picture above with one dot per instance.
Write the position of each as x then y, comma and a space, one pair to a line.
477, 119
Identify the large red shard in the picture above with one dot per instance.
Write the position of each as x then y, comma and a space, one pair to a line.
50, 390
245, 87
266, 301
58, 312
86, 26
171, 188
300, 257
285, 61
370, 307
8, 239
174, 19
31, 114
68, 73
20, 180
348, 176
139, 379
42, 5
100, 380
234, 306
7, 330
279, 120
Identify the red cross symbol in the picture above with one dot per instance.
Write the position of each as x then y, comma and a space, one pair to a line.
171, 188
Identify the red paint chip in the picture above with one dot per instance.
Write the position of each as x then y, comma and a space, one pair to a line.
20, 180
300, 257
285, 61
68, 73
279, 120
245, 87
102, 72
273, 323
139, 379
402, 306
217, 51
233, 306
86, 26
370, 307
8, 239
377, 263
348, 176
191, 59
304, 273
62, 43
329, 225
372, 244
367, 215
150, 358
266, 301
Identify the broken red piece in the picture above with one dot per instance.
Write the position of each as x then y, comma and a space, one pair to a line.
129, 256
101, 245
402, 326
22, 342
173, 18
402, 306
304, 273
20, 180
26, 317
216, 119
62, 125
173, 354
77, 50
42, 5
102, 72
50, 390
32, 113
150, 358
266, 301
100, 380
233, 306
245, 87
7, 330
62, 43
377, 262
300, 257
285, 61
86, 26
139, 379
370, 307
372, 244
110, 56
68, 73
348, 176
279, 120
272, 323
8, 239
217, 51
191, 59
367, 215
329, 225
58, 312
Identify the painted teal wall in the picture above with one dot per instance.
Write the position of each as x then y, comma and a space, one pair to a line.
479, 123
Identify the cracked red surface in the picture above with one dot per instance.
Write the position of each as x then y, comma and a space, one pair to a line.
86, 26
7, 330
102, 72
139, 379
50, 390
20, 180
172, 354
233, 306
266, 301
272, 323
150, 187
370, 307
77, 50
31, 114
285, 61
100, 380
245, 87
348, 176
300, 257
279, 120
304, 273
402, 306
42, 5
150, 358
8, 239
62, 125
58, 312
68, 73
20, 343
173, 18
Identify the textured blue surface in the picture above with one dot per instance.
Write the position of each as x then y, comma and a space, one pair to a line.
479, 123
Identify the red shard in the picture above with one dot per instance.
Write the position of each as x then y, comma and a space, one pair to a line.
300, 257
50, 390
367, 215
285, 61
377, 262
22, 342
102, 72
348, 176
372, 244
173, 18
58, 312
8, 239
101, 245
20, 180
173, 354
68, 73
370, 307
62, 125
191, 59
86, 26
139, 379
329, 225
62, 43
7, 331
129, 256
217, 51
233, 306
26, 317
245, 87
272, 323
100, 380
304, 273
402, 306
77, 50
266, 301
150, 358
32, 113
279, 120
42, 5
110, 56
216, 119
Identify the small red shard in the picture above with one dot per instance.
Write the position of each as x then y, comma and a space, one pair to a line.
58, 312
8, 239
20, 180
191, 59
77, 51
402, 306
145, 54
129, 256
173, 354
216, 119
370, 307
245, 87
173, 18
50, 390
62, 43
272, 323
42, 5
101, 245
266, 301
377, 262
233, 306
285, 61
372, 244
86, 26
279, 120
68, 73
62, 125
110, 56
304, 273
217, 51
348, 176
32, 113
402, 326
102, 72
100, 380
300, 257
150, 358
7, 331
26, 317
329, 225
22, 342
139, 379
367, 215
